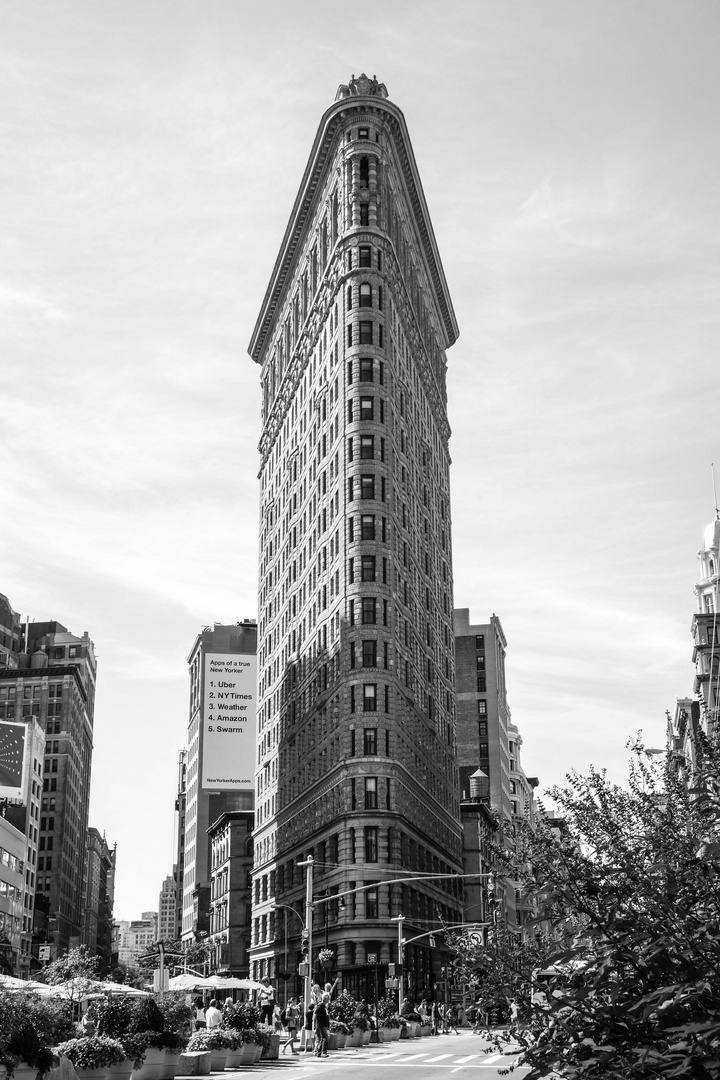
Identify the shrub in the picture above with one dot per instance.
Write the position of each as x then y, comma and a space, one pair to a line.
146, 1016
214, 1039
339, 1028
114, 1016
177, 1014
387, 1013
241, 1015
343, 1009
92, 1052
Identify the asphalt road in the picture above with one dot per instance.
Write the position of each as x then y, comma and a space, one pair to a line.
465, 1056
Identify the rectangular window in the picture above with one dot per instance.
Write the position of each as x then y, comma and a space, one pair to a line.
367, 446
479, 642
371, 795
367, 411
481, 684
369, 697
352, 697
371, 903
482, 729
352, 658
351, 571
371, 844
367, 486
370, 741
363, 133
366, 369
364, 213
366, 333
483, 750
367, 527
482, 707
368, 568
480, 661
364, 257
369, 609
369, 654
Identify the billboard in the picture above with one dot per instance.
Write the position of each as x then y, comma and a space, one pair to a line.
12, 759
229, 722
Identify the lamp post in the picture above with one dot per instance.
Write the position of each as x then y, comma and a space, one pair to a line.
399, 920
308, 864
289, 907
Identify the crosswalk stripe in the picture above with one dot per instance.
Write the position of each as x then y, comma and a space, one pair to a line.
461, 1061
438, 1057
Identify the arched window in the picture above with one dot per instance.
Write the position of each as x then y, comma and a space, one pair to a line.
365, 295
349, 297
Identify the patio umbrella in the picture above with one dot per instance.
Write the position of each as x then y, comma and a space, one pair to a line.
186, 981
217, 982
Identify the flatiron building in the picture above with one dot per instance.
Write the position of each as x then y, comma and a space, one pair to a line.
356, 755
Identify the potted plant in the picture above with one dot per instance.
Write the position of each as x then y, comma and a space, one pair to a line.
339, 1033
387, 1020
215, 1040
92, 1055
23, 1055
252, 1044
326, 957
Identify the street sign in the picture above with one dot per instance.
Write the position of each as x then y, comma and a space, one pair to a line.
372, 958
44, 952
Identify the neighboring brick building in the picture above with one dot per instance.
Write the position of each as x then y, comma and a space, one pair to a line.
231, 859
356, 721
488, 748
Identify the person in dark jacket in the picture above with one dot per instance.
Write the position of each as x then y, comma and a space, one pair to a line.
321, 1026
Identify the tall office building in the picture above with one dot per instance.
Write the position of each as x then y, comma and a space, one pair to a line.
47, 679
216, 775
356, 726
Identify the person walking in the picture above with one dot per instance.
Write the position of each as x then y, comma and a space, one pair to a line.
200, 1021
321, 1025
451, 1019
292, 1015
436, 1018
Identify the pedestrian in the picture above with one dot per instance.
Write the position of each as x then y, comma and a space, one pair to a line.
292, 1014
451, 1019
436, 1018
199, 1014
89, 1021
213, 1016
424, 1012
266, 1000
321, 1025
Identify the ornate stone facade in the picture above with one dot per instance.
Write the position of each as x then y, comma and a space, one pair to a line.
356, 725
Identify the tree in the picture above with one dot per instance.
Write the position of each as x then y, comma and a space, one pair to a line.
631, 884
75, 964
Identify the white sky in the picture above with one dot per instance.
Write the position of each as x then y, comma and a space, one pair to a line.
149, 157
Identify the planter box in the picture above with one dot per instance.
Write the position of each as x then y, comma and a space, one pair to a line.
257, 1052
273, 1051
171, 1064
366, 1037
426, 1029
121, 1071
152, 1066
25, 1072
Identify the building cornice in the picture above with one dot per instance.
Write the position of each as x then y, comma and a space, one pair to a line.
319, 163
